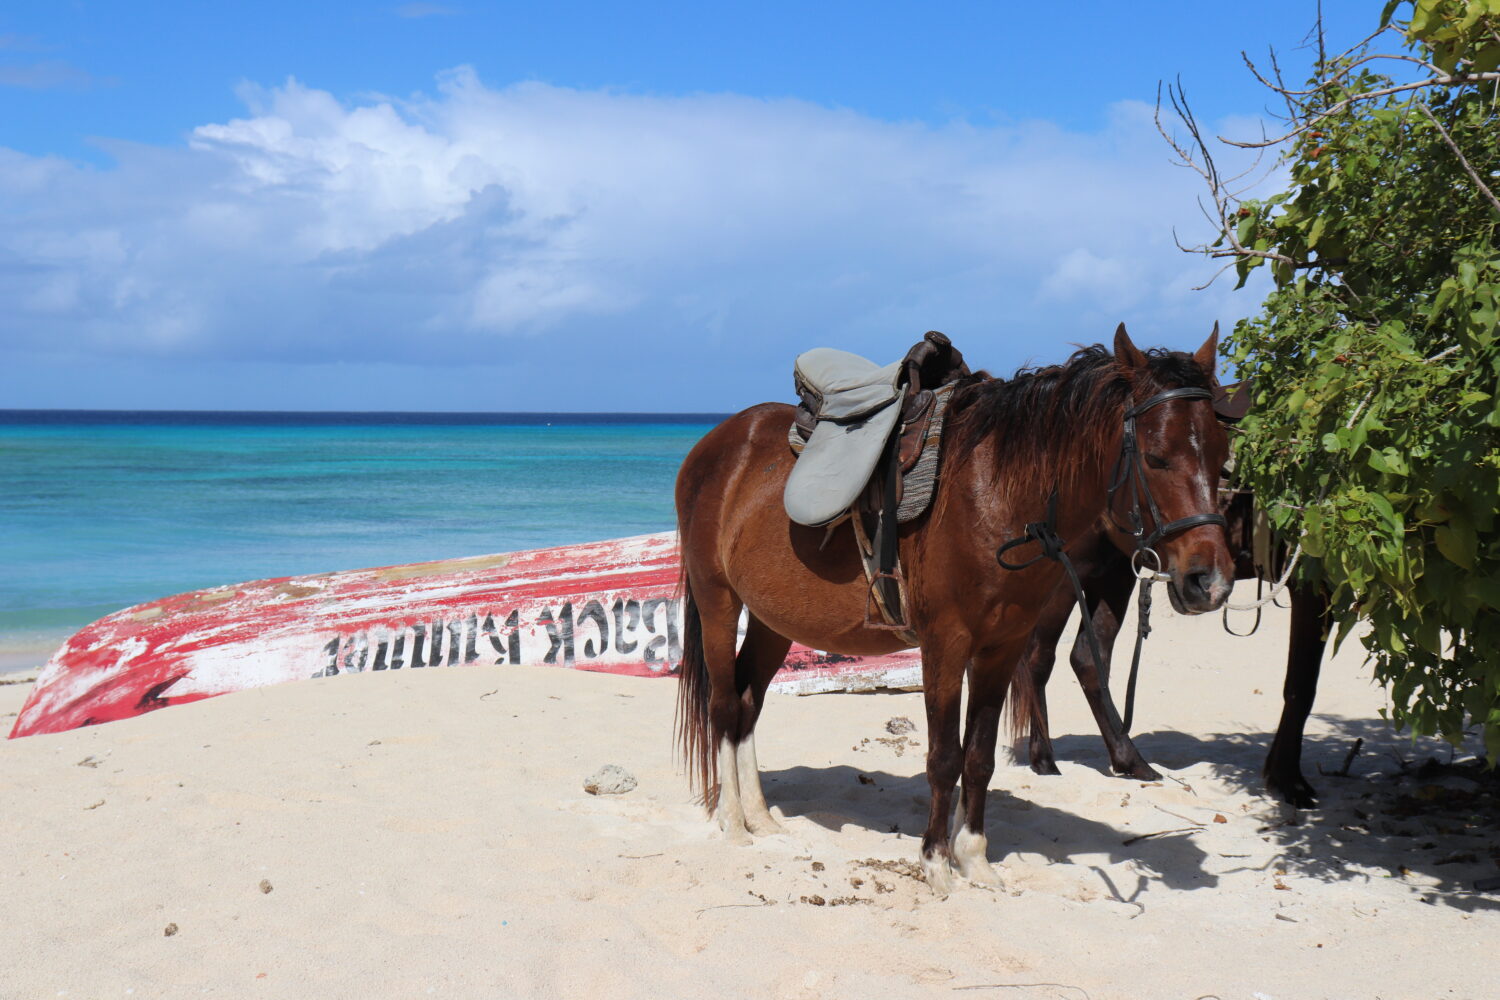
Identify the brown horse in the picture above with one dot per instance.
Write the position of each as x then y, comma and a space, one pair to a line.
1008, 445
1107, 585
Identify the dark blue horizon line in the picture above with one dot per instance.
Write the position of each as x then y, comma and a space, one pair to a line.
56, 417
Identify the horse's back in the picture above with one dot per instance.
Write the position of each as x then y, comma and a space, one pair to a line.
735, 534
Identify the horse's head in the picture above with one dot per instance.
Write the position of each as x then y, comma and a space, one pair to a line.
1163, 503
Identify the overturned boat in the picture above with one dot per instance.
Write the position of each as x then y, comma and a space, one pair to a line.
609, 606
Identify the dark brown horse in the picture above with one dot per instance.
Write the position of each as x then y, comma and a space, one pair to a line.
1008, 445
1108, 583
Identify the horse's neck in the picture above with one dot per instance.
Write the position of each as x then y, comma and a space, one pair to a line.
1021, 487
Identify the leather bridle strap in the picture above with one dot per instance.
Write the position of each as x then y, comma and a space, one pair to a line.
1128, 468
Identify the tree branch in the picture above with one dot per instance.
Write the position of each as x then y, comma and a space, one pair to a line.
1463, 160
1441, 81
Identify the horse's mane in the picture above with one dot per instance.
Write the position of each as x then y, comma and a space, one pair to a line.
1043, 413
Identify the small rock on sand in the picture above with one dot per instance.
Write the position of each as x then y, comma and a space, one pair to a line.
611, 779
900, 724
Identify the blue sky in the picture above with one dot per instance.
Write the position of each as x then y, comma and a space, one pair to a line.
588, 206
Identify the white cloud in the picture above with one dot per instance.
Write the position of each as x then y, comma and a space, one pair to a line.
729, 231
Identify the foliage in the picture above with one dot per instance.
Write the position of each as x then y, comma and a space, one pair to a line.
1375, 434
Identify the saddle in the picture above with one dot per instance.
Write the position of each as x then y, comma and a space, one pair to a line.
867, 441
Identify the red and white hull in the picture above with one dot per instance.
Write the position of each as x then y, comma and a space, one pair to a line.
610, 606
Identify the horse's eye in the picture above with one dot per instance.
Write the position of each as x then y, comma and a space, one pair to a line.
1155, 461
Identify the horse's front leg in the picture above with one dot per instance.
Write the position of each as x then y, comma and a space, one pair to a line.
943, 663
989, 677
1107, 592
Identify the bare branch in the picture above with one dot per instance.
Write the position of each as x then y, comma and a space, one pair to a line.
1217, 275
1322, 47
1463, 160
1196, 156
1377, 57
1444, 81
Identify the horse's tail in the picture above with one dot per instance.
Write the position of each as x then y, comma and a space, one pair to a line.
694, 739
1022, 705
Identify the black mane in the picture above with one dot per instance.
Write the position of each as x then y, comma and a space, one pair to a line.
1044, 412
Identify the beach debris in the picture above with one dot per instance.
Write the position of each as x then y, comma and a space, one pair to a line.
1458, 858
611, 779
1220, 818
1343, 771
90, 761
865, 779
170, 930
903, 866
815, 900
900, 724
265, 885
96, 805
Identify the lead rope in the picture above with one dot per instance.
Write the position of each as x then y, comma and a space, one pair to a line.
1142, 630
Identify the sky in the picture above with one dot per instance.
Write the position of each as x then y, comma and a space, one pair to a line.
595, 206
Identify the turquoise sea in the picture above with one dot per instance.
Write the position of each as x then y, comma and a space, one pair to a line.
100, 510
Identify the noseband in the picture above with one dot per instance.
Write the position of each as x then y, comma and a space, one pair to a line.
1129, 470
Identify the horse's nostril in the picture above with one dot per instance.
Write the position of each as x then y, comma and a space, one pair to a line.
1197, 584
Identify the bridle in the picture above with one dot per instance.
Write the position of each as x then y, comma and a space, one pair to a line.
1127, 469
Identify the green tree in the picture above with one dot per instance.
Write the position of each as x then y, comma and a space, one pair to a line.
1375, 432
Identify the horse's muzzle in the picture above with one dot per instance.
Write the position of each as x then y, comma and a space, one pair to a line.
1198, 591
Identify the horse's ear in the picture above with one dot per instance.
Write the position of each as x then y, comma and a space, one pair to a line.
1126, 353
1207, 356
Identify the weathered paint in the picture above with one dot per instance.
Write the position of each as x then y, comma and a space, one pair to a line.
610, 606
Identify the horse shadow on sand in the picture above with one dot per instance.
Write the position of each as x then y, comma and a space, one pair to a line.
840, 795
1421, 811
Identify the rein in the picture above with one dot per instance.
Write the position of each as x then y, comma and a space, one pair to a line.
1127, 470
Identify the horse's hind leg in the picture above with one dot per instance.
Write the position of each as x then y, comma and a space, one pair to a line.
1309, 634
1029, 682
718, 612
760, 656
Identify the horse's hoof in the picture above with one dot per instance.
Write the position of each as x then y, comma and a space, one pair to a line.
1295, 792
939, 875
734, 831
1047, 766
764, 826
1140, 771
969, 854
980, 873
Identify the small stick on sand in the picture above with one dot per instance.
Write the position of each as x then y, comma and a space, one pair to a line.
1343, 772
1024, 986
1162, 833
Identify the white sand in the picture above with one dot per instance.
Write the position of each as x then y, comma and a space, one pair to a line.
426, 834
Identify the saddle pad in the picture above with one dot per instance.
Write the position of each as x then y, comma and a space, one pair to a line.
918, 484
835, 465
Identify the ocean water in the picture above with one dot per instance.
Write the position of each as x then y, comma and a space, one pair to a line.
103, 510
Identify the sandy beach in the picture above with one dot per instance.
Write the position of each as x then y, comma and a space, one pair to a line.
427, 834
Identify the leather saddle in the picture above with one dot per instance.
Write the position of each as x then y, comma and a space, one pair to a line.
862, 428
853, 413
